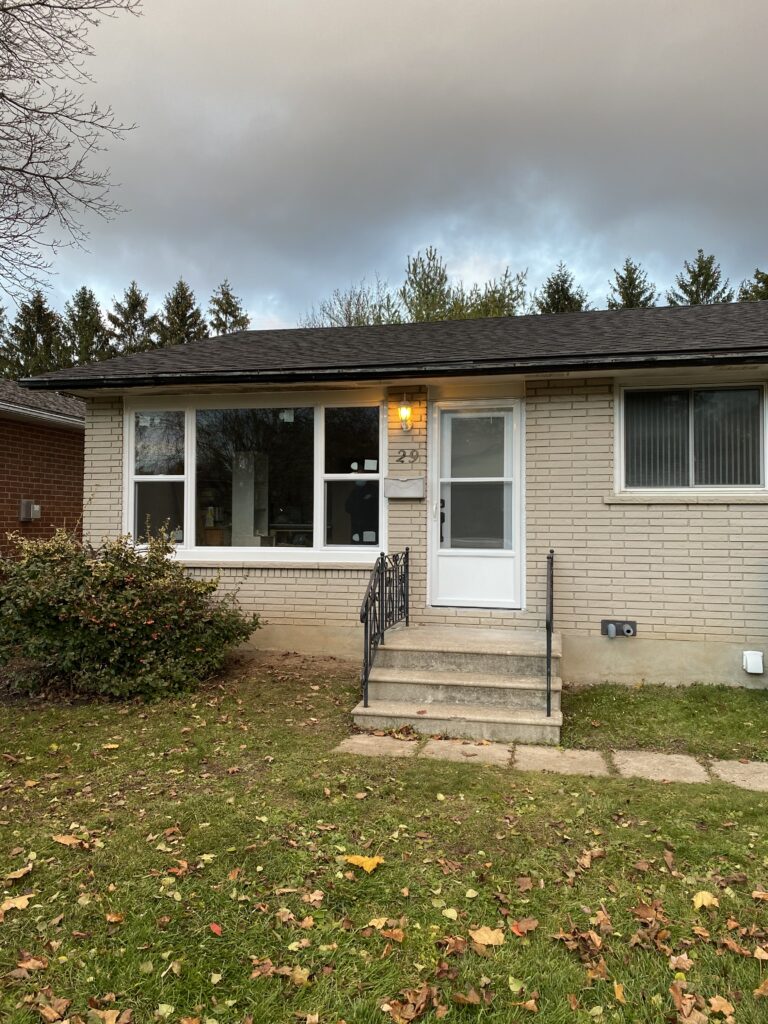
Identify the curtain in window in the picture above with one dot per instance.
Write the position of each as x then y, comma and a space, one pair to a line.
726, 438
656, 439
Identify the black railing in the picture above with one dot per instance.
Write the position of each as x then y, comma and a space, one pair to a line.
550, 624
385, 604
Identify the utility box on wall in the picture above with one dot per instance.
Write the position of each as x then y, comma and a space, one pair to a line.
29, 510
413, 487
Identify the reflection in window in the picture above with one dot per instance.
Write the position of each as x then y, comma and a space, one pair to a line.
351, 458
159, 505
159, 444
255, 470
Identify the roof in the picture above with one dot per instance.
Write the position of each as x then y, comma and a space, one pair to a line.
18, 401
671, 335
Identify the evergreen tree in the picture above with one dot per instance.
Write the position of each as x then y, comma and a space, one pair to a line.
754, 289
560, 294
85, 333
630, 288
359, 305
181, 319
35, 341
426, 293
700, 283
131, 328
225, 311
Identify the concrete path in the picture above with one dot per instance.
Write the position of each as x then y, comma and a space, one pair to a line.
638, 764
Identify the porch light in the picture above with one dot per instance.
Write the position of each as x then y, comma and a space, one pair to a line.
405, 412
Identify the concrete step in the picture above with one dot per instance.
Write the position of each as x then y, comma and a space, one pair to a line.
420, 686
461, 720
510, 664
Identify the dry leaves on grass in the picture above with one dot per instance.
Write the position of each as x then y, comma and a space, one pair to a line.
414, 1004
14, 876
523, 926
487, 936
14, 903
368, 864
705, 899
69, 840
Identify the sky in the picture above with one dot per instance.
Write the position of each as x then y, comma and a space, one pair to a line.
296, 146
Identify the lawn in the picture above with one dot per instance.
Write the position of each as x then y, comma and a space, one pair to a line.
188, 863
706, 721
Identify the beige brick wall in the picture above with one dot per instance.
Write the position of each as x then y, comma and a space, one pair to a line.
103, 480
684, 571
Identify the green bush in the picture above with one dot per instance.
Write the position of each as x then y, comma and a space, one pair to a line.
116, 621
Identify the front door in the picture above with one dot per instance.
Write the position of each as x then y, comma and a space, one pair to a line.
477, 505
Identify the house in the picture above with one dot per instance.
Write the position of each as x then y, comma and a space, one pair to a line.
41, 462
631, 443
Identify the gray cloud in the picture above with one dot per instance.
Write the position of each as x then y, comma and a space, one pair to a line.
296, 145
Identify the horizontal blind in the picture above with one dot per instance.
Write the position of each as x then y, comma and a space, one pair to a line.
726, 437
656, 439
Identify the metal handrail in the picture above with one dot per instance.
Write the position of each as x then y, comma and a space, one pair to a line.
386, 602
550, 624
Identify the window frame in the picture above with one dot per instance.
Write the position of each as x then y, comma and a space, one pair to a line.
692, 488
320, 552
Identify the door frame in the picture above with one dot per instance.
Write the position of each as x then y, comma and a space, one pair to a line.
433, 493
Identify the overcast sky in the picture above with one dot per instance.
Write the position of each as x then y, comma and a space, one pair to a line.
298, 145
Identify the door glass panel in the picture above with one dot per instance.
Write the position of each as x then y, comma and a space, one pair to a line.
476, 516
476, 445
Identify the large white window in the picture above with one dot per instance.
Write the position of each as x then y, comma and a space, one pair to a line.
693, 437
294, 481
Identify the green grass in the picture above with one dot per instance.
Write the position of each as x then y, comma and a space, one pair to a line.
706, 721
239, 782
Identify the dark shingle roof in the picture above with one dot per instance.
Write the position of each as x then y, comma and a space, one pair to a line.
734, 332
18, 399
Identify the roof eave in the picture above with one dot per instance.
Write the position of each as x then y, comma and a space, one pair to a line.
452, 369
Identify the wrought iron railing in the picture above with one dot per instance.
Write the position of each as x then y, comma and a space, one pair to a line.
385, 604
550, 624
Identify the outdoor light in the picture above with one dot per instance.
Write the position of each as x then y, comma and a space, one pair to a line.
405, 412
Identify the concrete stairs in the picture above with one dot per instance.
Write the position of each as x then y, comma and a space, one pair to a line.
476, 682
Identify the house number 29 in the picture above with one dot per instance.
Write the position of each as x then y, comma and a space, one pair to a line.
407, 455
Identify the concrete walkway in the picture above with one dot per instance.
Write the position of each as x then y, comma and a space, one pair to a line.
638, 764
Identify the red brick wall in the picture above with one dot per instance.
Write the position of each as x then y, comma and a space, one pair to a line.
44, 463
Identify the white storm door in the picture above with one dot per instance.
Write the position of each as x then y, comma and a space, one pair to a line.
477, 506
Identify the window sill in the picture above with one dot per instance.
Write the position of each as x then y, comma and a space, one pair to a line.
309, 560
692, 498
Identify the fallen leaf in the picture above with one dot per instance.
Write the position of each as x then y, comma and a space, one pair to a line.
14, 876
487, 936
761, 992
396, 934
114, 918
14, 903
32, 963
523, 926
450, 912
760, 894
681, 963
368, 864
67, 840
705, 899
618, 992
215, 928
719, 1005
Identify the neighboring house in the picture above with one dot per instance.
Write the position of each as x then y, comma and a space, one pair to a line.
41, 462
631, 442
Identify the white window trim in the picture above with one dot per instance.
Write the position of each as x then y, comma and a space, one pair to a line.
720, 492
320, 553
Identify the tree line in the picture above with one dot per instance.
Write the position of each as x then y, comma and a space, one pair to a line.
427, 293
40, 339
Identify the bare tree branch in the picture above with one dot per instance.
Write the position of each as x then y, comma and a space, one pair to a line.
49, 133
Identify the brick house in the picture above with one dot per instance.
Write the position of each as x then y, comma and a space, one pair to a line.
631, 442
41, 460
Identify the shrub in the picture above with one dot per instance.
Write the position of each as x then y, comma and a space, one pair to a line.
115, 621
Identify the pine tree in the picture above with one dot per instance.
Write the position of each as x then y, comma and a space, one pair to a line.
503, 296
426, 293
756, 288
225, 311
560, 294
181, 319
35, 341
131, 328
630, 288
84, 330
700, 283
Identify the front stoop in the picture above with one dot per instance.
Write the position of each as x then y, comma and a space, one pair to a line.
474, 682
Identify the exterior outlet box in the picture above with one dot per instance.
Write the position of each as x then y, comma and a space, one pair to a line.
752, 662
412, 487
618, 627
28, 510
